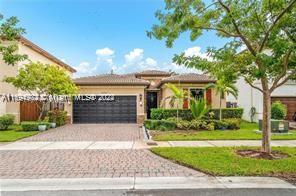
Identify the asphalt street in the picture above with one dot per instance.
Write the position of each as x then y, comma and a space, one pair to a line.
163, 192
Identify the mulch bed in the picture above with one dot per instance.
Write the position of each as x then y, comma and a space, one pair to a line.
257, 154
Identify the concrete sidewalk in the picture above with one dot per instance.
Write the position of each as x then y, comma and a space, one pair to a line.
143, 183
113, 145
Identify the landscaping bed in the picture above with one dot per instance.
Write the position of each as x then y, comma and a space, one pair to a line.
224, 161
247, 131
10, 132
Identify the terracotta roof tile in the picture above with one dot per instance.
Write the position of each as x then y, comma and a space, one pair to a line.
189, 78
153, 73
111, 79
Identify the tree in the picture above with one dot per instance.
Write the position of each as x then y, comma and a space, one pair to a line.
10, 33
43, 79
223, 87
260, 36
198, 108
177, 98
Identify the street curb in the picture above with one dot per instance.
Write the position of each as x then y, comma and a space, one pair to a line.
142, 183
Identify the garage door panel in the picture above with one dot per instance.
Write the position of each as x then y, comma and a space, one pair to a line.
121, 110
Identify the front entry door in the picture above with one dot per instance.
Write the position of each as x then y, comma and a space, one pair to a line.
151, 102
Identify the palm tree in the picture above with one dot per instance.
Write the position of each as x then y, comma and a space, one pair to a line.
176, 98
223, 87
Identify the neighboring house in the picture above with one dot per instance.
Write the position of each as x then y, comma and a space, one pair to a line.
25, 110
135, 95
249, 97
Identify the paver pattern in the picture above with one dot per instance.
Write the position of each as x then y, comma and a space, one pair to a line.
88, 164
90, 132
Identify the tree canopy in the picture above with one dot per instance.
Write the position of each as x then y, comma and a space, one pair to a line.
9, 33
261, 36
43, 79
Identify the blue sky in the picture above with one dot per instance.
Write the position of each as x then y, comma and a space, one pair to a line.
97, 36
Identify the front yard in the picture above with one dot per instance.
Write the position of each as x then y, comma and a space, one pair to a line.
14, 132
223, 161
246, 132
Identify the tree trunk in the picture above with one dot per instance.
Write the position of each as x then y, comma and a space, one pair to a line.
266, 126
42, 110
220, 109
178, 111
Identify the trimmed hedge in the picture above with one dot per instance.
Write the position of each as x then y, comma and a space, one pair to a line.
198, 125
185, 114
33, 125
5, 121
163, 125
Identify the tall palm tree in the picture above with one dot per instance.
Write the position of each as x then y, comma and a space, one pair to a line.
223, 87
176, 98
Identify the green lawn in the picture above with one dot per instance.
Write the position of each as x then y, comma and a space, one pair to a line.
246, 132
14, 133
223, 161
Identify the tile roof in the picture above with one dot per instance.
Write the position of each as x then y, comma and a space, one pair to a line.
111, 79
41, 51
153, 73
189, 78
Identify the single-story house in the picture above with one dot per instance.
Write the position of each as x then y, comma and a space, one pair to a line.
134, 95
249, 97
25, 110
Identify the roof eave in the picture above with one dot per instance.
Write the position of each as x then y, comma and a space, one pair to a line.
41, 51
108, 84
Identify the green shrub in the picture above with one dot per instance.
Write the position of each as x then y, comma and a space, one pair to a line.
230, 123
33, 125
278, 110
164, 125
184, 124
228, 113
219, 124
5, 121
233, 123
160, 113
29, 125
57, 116
185, 114
210, 126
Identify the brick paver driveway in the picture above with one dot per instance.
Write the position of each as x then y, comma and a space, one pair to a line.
88, 164
90, 132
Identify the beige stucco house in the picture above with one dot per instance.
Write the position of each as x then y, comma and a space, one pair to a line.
25, 111
134, 95
107, 98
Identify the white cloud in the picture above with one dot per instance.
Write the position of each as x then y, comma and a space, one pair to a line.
151, 62
105, 52
196, 51
84, 69
109, 61
134, 56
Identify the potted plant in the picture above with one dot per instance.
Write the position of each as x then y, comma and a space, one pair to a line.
51, 121
41, 126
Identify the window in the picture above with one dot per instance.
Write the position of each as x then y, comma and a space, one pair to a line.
197, 93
